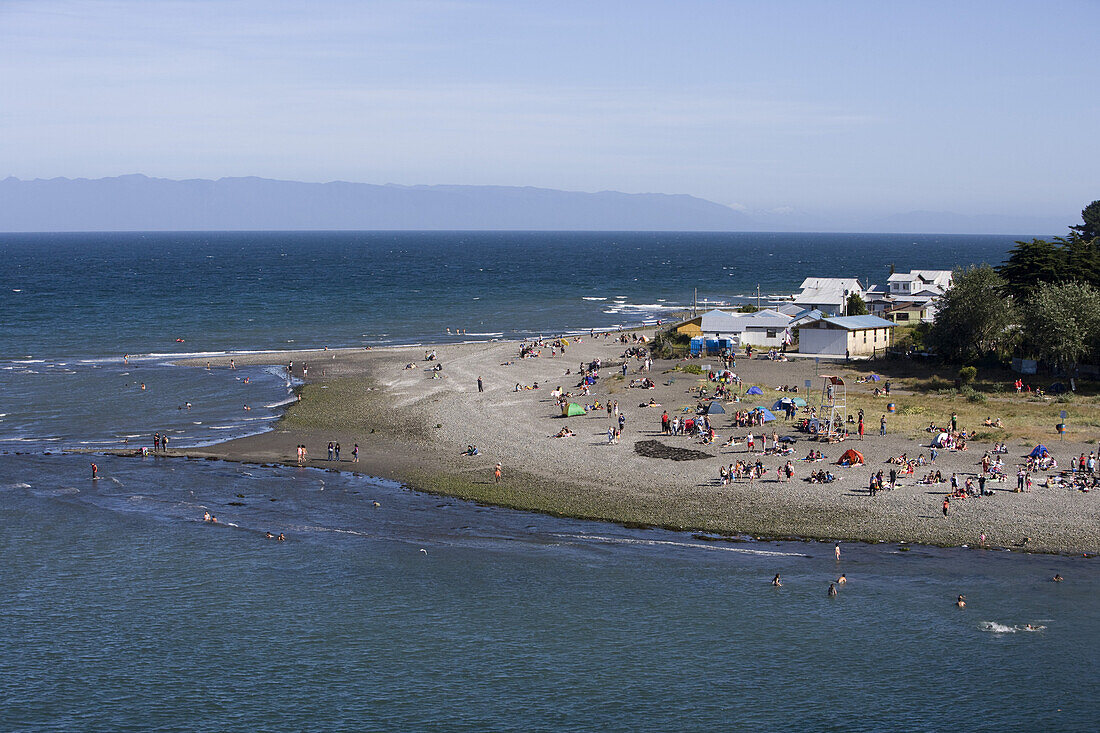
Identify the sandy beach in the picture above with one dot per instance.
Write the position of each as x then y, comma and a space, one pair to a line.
413, 428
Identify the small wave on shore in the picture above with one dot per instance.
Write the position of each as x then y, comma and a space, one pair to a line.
673, 543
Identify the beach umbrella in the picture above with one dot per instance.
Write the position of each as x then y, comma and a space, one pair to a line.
755, 390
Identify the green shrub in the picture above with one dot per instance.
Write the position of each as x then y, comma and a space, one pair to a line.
689, 368
968, 374
912, 410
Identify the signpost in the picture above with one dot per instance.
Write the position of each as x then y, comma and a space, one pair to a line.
1062, 426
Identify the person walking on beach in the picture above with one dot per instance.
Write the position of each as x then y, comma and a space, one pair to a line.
337, 451
480, 385
164, 442
882, 426
355, 453
496, 473
861, 427
946, 505
954, 422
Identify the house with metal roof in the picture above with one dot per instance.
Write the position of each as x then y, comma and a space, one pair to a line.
828, 294
762, 328
910, 297
848, 336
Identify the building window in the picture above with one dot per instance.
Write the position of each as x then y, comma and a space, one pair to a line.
864, 337
771, 333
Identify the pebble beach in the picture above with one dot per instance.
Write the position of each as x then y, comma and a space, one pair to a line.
413, 425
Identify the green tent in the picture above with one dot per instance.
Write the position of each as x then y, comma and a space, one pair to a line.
572, 410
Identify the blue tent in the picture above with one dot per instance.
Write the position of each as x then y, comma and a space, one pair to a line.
875, 377
755, 390
768, 416
1038, 451
715, 409
781, 402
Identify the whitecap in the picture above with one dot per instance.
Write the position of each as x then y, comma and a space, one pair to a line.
996, 628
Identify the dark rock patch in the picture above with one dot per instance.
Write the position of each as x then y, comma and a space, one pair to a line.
657, 449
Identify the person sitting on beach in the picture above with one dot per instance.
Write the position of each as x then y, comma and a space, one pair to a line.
471, 450
564, 433
410, 365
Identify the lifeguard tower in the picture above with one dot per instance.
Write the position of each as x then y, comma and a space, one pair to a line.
833, 412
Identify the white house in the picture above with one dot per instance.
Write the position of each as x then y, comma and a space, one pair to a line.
911, 296
828, 294
851, 336
763, 328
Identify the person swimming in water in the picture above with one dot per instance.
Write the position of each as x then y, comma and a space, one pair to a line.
961, 602
842, 579
832, 590
281, 538
1057, 578
269, 535
775, 581
207, 517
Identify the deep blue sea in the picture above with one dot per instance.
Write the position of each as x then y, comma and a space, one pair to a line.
121, 611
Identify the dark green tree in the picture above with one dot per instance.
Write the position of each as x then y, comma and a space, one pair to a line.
1031, 263
855, 305
1081, 260
973, 316
1090, 227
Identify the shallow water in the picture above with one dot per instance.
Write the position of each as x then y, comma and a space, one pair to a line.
128, 612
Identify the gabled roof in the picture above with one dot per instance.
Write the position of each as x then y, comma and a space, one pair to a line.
859, 323
928, 276
842, 283
718, 321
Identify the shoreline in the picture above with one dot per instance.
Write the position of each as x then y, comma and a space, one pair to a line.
411, 429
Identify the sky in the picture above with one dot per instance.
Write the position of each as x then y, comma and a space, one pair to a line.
846, 108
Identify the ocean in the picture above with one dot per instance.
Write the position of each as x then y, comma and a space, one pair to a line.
121, 610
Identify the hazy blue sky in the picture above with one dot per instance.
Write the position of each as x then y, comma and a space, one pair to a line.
975, 107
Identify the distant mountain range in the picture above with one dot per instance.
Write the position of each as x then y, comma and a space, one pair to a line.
140, 203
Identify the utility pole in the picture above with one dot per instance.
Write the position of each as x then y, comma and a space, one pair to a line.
757, 296
694, 301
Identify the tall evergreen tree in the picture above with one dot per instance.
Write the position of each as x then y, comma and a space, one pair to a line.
1090, 226
1031, 263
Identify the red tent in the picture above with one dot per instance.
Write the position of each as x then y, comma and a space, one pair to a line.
851, 457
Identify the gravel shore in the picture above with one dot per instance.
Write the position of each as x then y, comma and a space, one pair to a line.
413, 428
